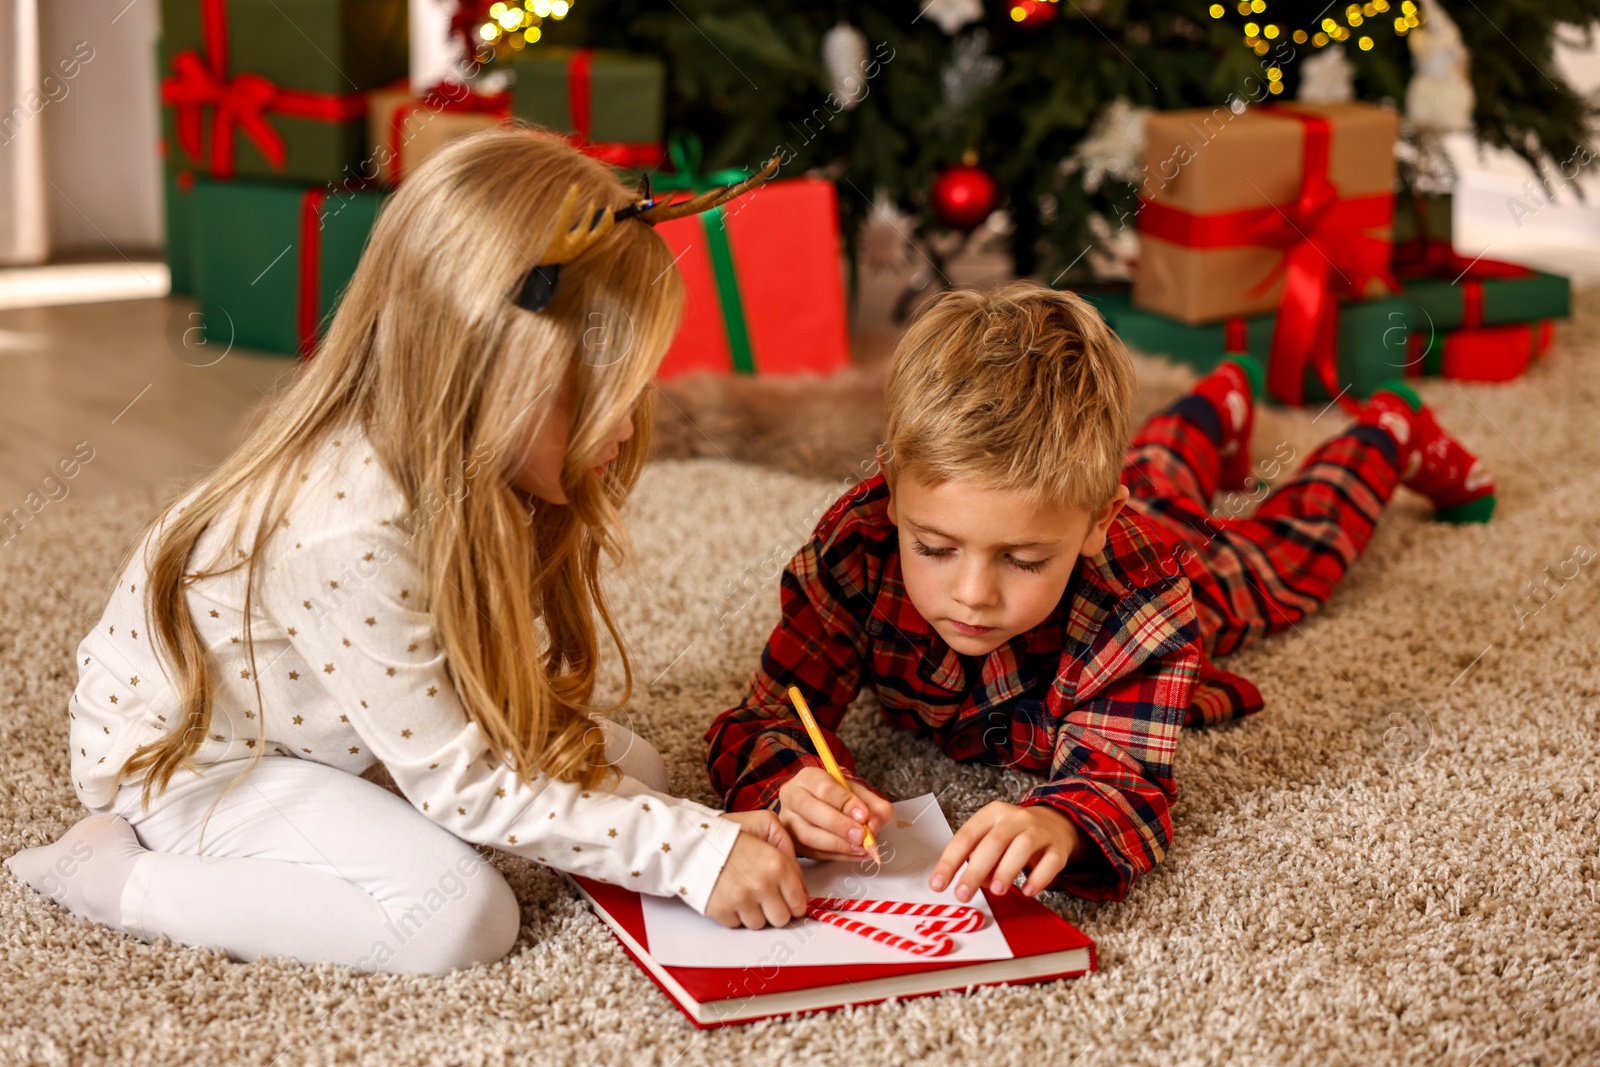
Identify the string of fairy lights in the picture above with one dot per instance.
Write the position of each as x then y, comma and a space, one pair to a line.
515, 26
1260, 31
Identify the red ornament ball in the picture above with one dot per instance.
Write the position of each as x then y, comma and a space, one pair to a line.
1031, 14
963, 196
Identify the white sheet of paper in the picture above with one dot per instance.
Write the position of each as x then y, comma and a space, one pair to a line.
678, 936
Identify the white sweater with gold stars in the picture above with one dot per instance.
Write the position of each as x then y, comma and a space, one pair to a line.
349, 675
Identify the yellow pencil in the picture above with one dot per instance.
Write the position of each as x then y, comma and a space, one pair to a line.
868, 842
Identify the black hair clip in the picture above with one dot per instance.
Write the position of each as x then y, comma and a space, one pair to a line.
572, 238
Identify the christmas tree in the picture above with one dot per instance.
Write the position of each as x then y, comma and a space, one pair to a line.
887, 96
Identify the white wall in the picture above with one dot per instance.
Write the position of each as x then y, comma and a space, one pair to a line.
100, 138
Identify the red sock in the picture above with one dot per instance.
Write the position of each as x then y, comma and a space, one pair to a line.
1431, 461
1228, 389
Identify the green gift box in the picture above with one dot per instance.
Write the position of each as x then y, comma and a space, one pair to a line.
608, 103
1423, 217
271, 259
1371, 347
178, 199
1514, 296
275, 88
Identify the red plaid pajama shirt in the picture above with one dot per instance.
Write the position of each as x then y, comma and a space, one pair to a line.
1092, 698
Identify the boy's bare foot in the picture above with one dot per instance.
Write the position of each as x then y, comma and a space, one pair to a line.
1431, 461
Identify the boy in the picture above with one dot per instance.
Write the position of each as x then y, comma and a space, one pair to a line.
1024, 587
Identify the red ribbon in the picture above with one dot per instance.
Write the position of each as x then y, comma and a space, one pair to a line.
1327, 251
1430, 258
446, 97
307, 311
580, 99
201, 81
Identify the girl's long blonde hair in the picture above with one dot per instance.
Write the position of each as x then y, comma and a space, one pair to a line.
430, 356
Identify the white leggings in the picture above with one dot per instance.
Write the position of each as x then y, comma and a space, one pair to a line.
305, 860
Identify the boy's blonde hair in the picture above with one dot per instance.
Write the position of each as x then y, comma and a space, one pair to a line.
429, 354
1020, 387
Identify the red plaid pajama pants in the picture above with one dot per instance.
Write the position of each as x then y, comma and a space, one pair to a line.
1255, 576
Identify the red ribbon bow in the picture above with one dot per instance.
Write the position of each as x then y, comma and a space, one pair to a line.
1327, 252
200, 81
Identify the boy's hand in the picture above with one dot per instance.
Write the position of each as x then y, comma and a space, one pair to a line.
761, 881
825, 817
1002, 839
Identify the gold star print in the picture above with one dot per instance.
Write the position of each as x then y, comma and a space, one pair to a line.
298, 720
305, 477
584, 795
113, 698
433, 766
249, 742
81, 752
293, 632
135, 634
366, 461
611, 833
305, 750
552, 815
405, 594
512, 839
705, 826
367, 558
633, 874
389, 671
216, 737
107, 729
102, 759
461, 811
333, 585
233, 640
336, 444
646, 805
133, 588
682, 891
214, 614
294, 676
134, 680
346, 641
575, 848
307, 603
354, 750
163, 718
371, 621
346, 718
111, 629
327, 668
86, 661
424, 805
249, 714
665, 847
405, 733
244, 674
412, 647
363, 704
499, 792
433, 690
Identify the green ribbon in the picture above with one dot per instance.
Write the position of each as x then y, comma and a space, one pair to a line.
684, 149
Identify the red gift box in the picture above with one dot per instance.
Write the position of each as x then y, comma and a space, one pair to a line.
1479, 353
765, 284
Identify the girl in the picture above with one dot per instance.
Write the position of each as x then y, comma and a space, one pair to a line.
401, 565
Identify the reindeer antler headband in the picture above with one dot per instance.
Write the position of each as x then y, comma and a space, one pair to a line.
573, 237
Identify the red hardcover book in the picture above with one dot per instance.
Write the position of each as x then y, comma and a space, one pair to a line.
1044, 946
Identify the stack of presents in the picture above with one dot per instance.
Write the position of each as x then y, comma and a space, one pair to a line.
287, 122
1276, 231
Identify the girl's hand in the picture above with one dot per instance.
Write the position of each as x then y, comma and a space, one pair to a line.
1002, 839
760, 883
825, 818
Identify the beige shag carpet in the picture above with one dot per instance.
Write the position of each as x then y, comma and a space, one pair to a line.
1397, 862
